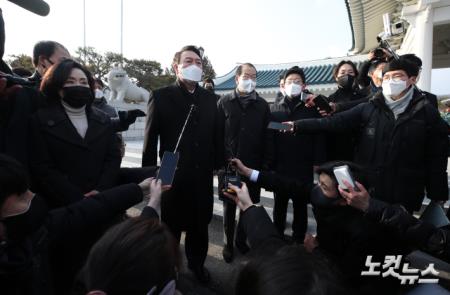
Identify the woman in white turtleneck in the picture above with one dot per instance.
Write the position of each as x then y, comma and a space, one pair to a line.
75, 148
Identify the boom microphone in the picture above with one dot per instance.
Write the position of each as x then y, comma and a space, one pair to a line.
38, 7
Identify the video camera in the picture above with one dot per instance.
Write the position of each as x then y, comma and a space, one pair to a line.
379, 53
38, 7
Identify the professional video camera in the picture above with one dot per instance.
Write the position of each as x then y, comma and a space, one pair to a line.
38, 7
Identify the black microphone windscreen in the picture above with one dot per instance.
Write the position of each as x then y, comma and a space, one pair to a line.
38, 7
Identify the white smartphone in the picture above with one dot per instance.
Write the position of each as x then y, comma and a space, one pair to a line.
343, 173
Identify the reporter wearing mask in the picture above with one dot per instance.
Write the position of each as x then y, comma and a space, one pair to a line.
341, 146
74, 145
344, 235
348, 94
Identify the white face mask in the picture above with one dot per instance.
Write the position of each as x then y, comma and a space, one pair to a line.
192, 73
293, 89
98, 93
393, 88
246, 86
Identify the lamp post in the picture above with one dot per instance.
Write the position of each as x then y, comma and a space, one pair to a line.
121, 33
84, 30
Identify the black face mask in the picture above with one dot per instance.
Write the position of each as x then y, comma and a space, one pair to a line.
77, 96
318, 199
18, 227
346, 81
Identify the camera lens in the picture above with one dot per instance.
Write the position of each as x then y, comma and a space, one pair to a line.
379, 53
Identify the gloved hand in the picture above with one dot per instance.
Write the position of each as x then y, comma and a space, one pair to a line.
129, 117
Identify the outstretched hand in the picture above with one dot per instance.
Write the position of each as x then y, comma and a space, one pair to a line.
242, 197
357, 199
240, 167
291, 127
153, 189
129, 117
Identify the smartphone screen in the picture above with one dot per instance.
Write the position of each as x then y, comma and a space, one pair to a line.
168, 166
304, 96
343, 173
278, 126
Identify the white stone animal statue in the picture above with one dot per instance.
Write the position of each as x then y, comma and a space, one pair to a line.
122, 89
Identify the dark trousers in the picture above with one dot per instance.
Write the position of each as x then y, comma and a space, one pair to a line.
300, 222
195, 243
229, 216
229, 225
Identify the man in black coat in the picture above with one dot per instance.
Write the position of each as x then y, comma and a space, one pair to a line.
33, 259
295, 156
243, 120
402, 140
188, 206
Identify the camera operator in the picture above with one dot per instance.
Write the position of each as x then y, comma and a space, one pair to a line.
402, 140
370, 71
32, 238
17, 103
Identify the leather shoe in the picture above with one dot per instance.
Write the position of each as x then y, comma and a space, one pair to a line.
227, 253
242, 247
201, 273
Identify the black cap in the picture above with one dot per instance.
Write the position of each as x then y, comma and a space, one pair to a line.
411, 69
295, 70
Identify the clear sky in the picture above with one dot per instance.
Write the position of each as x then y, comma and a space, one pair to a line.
231, 31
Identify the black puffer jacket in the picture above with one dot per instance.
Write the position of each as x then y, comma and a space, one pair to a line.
404, 157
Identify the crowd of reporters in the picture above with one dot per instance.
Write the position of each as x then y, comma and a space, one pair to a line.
63, 194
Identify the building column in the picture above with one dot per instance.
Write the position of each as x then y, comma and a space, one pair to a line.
424, 45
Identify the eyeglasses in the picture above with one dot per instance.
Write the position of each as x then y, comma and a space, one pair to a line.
395, 77
288, 82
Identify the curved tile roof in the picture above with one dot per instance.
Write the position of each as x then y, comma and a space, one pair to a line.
317, 72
